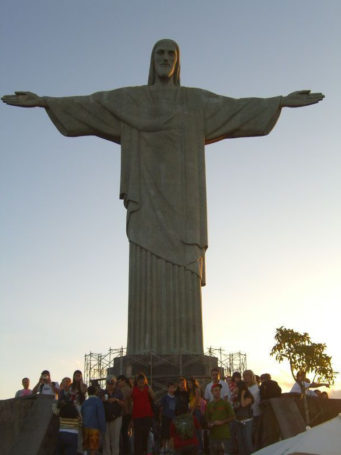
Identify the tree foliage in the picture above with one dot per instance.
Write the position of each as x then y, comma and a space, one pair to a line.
303, 355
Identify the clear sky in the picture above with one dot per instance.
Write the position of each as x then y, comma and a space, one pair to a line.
274, 254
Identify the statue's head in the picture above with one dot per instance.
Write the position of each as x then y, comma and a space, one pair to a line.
165, 62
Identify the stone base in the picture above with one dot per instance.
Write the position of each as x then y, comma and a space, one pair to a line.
161, 369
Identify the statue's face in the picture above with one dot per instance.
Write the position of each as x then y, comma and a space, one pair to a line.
165, 59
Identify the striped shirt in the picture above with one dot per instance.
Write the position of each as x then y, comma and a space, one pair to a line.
70, 425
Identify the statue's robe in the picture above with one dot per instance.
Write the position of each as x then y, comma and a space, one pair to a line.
163, 132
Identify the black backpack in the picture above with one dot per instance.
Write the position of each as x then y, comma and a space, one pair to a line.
111, 410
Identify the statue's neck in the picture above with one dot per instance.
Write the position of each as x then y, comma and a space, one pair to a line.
164, 82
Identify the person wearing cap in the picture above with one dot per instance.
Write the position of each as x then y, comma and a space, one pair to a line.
113, 402
219, 414
45, 386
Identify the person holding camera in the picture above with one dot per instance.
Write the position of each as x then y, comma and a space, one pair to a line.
45, 386
113, 401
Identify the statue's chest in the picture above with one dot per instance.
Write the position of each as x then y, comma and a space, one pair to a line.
171, 104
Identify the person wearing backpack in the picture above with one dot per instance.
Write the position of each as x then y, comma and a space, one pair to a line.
219, 413
183, 431
70, 426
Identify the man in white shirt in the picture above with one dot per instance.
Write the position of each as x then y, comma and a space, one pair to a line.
225, 391
45, 386
302, 384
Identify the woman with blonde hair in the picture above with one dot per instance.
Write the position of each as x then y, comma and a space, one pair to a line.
251, 382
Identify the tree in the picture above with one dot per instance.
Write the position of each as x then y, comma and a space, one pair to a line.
304, 357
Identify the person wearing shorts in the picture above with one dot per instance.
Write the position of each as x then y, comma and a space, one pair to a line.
93, 422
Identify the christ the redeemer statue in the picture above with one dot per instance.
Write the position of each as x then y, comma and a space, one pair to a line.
163, 128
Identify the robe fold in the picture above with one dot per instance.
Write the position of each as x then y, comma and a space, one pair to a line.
163, 132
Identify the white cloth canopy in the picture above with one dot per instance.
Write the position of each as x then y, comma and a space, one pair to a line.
324, 439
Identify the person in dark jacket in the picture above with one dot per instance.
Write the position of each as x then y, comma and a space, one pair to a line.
269, 388
269, 429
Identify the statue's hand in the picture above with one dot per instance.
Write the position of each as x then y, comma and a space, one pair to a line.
23, 99
301, 98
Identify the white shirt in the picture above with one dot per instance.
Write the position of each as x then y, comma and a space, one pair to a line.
224, 391
23, 393
254, 390
46, 389
296, 388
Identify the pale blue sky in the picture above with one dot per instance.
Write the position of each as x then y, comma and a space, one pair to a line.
273, 202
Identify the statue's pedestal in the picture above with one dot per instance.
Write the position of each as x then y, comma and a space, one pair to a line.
161, 369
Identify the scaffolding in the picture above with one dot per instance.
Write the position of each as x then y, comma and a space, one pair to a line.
229, 362
96, 365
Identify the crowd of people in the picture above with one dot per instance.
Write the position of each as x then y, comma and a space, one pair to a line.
125, 417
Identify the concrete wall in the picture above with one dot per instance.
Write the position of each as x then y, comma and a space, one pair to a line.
283, 417
27, 426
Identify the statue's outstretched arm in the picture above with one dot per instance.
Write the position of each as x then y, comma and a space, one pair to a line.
74, 115
301, 98
24, 99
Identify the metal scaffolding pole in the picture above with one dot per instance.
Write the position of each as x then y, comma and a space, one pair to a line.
96, 365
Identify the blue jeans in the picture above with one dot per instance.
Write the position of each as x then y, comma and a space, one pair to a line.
234, 436
217, 444
244, 435
67, 443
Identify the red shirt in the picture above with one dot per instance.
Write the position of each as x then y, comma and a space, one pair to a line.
141, 403
179, 442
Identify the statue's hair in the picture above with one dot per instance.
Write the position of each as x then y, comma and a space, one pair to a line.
176, 75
